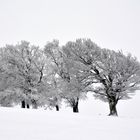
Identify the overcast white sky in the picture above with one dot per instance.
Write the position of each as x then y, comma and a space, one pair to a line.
113, 24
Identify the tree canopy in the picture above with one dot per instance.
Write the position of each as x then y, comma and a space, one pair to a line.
40, 77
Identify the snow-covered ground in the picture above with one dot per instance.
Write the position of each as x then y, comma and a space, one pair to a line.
92, 123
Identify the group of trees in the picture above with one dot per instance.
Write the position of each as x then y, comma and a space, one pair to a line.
33, 76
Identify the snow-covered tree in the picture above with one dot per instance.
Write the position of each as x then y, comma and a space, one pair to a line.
117, 75
27, 64
38, 77
63, 66
7, 96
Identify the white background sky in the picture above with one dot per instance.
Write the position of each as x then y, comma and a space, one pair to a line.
113, 24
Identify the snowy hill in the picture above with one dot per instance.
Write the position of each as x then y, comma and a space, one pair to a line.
89, 124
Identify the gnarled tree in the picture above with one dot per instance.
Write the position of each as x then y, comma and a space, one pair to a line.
117, 75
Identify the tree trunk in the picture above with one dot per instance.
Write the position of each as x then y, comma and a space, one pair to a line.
113, 109
23, 104
75, 107
34, 104
28, 106
57, 108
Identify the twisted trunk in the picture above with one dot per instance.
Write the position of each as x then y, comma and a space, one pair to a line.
75, 106
57, 108
34, 104
112, 107
23, 104
28, 106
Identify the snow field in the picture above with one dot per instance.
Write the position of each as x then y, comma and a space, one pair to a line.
23, 124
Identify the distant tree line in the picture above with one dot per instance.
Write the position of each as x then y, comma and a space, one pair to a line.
39, 77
